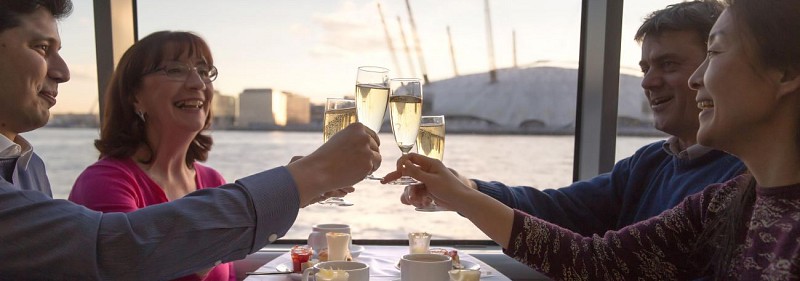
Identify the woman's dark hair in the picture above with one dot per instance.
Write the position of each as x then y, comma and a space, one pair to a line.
769, 27
772, 26
10, 10
123, 132
721, 238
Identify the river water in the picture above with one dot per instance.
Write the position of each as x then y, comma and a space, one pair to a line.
538, 161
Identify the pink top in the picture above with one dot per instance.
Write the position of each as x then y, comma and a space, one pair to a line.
119, 185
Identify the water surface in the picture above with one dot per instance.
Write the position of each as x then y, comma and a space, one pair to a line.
538, 161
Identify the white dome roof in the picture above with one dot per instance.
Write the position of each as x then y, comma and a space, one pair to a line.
539, 96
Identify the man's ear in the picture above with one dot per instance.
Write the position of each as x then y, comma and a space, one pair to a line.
789, 83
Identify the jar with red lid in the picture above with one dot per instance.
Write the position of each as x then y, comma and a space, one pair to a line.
300, 254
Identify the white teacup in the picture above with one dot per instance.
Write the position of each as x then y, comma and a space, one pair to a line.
317, 239
425, 267
357, 271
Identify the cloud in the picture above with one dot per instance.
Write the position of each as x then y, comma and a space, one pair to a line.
299, 30
350, 30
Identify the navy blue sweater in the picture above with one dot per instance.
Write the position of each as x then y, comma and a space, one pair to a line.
639, 187
32, 178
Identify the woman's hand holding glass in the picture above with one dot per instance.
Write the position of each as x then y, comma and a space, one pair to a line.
418, 196
438, 182
430, 142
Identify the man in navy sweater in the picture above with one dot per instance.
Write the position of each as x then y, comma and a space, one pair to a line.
659, 175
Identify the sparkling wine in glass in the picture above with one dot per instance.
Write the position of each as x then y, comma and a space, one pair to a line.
339, 113
405, 111
372, 95
430, 142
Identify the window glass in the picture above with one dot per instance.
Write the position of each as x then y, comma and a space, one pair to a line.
65, 144
312, 49
78, 50
517, 130
635, 118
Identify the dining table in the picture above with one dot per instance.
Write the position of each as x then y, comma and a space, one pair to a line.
383, 265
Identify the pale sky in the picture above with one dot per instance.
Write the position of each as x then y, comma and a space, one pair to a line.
313, 47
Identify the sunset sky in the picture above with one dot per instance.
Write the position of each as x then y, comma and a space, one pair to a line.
313, 47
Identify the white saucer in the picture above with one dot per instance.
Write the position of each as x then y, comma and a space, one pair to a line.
356, 250
287, 267
470, 265
284, 267
465, 264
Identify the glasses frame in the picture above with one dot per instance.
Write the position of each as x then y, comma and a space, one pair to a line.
213, 73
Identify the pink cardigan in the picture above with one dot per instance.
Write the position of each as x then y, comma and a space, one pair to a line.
119, 185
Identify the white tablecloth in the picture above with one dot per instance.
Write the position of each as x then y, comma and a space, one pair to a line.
382, 261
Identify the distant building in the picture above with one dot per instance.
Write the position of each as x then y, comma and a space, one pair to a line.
298, 109
272, 109
317, 114
74, 120
534, 99
223, 111
255, 109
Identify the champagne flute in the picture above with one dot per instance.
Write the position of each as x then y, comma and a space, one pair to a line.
405, 108
430, 142
339, 113
372, 95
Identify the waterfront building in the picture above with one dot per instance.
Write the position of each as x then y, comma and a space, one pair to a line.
224, 111
269, 108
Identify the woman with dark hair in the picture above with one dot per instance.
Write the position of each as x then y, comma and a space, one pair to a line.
158, 105
745, 229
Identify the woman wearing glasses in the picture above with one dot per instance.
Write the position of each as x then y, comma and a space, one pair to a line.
157, 107
745, 229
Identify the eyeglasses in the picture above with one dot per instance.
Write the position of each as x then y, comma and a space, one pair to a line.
179, 71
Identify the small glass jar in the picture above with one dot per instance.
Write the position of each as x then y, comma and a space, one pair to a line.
300, 254
419, 242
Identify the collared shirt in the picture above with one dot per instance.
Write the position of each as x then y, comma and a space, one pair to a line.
672, 147
19, 148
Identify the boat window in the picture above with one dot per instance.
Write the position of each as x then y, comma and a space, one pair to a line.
635, 118
507, 89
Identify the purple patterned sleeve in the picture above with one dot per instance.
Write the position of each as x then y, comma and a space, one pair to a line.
656, 249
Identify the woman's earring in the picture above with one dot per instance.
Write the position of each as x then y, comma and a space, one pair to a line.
141, 115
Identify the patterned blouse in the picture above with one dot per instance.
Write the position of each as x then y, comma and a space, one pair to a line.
662, 248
